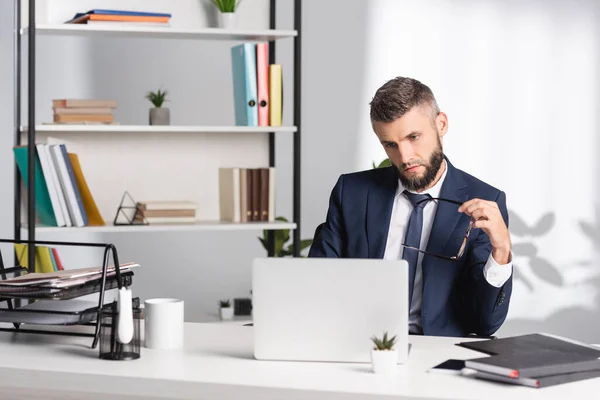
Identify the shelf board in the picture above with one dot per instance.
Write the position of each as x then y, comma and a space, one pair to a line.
162, 32
99, 128
197, 226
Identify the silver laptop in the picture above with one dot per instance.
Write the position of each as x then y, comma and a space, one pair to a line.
326, 309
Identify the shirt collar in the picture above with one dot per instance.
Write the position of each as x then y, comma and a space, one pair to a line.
433, 191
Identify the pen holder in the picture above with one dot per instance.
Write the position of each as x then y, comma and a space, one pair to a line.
110, 347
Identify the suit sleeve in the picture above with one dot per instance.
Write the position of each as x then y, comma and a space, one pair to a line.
486, 305
330, 236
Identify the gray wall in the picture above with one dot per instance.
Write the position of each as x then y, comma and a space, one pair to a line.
6, 122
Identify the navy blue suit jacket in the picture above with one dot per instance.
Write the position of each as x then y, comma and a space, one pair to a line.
457, 299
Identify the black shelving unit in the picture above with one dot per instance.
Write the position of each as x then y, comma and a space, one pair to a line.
31, 124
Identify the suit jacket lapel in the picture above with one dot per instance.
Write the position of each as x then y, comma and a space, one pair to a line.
447, 216
380, 201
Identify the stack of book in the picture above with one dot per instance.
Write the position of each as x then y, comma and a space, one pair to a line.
534, 360
83, 111
247, 194
114, 18
166, 212
62, 195
257, 86
46, 258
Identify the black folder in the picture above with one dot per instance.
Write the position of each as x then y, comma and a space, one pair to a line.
531, 342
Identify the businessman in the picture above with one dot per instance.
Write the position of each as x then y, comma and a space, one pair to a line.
451, 227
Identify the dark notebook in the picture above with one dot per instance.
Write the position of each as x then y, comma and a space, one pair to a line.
537, 382
528, 343
535, 363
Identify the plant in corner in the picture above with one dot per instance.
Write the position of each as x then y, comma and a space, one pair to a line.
281, 238
159, 115
384, 355
225, 309
227, 10
385, 163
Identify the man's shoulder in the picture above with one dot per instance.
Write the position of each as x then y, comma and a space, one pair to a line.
478, 188
368, 177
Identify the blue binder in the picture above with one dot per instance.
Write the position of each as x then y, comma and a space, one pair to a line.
243, 64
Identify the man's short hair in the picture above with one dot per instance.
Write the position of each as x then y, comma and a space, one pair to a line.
399, 95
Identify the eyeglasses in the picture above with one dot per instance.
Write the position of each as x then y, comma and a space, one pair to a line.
461, 250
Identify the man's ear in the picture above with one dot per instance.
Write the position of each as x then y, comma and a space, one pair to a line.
441, 122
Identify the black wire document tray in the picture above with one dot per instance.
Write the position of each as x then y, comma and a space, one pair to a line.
56, 286
49, 312
55, 292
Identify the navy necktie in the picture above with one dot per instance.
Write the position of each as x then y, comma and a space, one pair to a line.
413, 236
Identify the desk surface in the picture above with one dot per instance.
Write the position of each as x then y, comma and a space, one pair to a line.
217, 362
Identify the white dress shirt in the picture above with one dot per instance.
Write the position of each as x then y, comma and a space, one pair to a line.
494, 273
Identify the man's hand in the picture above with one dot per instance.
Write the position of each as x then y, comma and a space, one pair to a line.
487, 216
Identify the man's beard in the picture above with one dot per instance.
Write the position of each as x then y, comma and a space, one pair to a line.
416, 183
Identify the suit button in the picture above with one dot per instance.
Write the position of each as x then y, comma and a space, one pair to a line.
501, 299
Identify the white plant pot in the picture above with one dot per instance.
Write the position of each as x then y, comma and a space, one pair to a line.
384, 361
227, 20
227, 313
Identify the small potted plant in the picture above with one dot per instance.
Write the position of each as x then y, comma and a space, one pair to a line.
384, 356
226, 309
227, 9
159, 115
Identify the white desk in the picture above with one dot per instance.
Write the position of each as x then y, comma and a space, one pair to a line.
217, 363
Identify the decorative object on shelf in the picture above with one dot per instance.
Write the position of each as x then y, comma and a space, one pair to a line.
225, 309
281, 238
227, 9
159, 115
128, 212
384, 356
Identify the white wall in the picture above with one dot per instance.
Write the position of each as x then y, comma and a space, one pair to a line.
200, 267
517, 79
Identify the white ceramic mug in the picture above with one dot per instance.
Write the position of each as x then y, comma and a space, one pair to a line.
163, 323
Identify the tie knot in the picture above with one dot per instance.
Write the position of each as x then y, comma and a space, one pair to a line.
416, 198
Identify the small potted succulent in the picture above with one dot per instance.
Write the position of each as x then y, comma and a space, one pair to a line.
227, 9
226, 310
159, 115
384, 356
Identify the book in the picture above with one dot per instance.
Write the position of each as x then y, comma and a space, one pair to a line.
43, 258
275, 95
148, 205
229, 194
531, 342
536, 363
535, 382
43, 203
83, 103
113, 17
89, 204
243, 65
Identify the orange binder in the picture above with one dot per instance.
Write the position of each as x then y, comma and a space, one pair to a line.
93, 214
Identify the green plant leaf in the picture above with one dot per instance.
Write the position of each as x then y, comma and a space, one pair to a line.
226, 5
157, 98
385, 163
